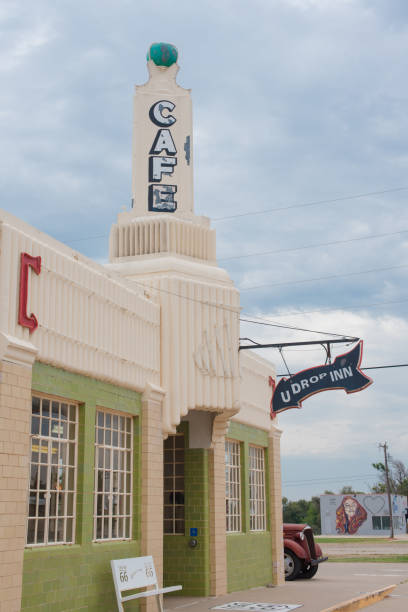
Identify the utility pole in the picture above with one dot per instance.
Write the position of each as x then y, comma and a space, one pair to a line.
387, 481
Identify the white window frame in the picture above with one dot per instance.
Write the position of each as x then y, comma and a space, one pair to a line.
47, 445
108, 497
172, 486
233, 497
257, 490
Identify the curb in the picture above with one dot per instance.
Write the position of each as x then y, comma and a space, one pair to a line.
362, 601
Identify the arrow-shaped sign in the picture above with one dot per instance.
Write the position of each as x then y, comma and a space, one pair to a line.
344, 373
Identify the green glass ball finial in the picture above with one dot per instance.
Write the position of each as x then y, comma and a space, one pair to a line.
162, 54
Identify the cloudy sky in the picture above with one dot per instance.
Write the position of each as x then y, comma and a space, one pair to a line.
300, 161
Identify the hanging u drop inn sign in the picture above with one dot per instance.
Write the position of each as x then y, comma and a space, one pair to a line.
343, 373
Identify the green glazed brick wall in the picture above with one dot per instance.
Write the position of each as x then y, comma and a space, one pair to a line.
249, 560
249, 554
250, 435
78, 577
182, 564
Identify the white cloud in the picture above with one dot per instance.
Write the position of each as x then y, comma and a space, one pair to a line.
17, 49
294, 101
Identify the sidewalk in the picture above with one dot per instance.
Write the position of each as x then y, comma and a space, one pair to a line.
334, 583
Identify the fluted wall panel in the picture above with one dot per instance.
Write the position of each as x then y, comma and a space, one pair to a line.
150, 235
89, 320
199, 340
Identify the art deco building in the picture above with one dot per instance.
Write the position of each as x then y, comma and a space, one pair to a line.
130, 422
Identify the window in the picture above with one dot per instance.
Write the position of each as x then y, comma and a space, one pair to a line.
257, 518
376, 522
383, 522
174, 484
233, 486
52, 492
113, 476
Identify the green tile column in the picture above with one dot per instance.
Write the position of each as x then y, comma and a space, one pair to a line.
183, 565
86, 473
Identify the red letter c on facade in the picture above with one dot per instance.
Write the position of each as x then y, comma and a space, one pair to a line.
26, 262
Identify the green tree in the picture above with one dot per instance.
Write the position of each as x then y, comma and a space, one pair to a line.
302, 511
347, 490
397, 474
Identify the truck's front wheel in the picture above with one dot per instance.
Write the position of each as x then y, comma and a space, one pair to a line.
310, 571
292, 565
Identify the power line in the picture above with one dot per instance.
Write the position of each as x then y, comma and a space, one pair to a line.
231, 309
236, 309
312, 246
312, 331
263, 212
335, 478
296, 313
398, 365
305, 204
319, 278
384, 367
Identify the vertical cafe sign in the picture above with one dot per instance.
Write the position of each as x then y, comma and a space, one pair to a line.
161, 196
162, 176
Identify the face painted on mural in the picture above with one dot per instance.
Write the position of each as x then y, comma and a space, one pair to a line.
350, 515
350, 507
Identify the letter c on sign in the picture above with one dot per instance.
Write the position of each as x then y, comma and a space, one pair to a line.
27, 261
156, 113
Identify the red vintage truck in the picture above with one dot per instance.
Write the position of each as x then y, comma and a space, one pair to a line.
301, 553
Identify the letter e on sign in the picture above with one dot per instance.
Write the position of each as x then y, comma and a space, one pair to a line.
27, 261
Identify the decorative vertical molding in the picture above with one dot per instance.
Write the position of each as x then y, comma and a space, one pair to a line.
152, 482
90, 321
220, 426
27, 261
15, 416
275, 505
19, 352
218, 536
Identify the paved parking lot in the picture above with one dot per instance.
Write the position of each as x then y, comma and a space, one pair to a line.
334, 582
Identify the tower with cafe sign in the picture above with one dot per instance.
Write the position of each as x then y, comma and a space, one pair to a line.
162, 139
164, 247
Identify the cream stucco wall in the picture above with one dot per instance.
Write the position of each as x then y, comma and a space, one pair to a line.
90, 321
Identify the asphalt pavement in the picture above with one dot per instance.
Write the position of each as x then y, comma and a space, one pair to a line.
333, 583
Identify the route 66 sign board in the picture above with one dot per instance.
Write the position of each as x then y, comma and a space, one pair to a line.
134, 573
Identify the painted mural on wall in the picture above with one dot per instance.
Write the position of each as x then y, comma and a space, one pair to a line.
350, 515
361, 513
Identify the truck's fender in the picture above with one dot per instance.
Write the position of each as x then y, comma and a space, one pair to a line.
319, 552
296, 548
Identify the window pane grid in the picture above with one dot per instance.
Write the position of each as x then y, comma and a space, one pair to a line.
113, 476
173, 504
53, 457
257, 511
233, 486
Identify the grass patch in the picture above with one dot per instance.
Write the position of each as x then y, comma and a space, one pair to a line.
345, 540
387, 559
